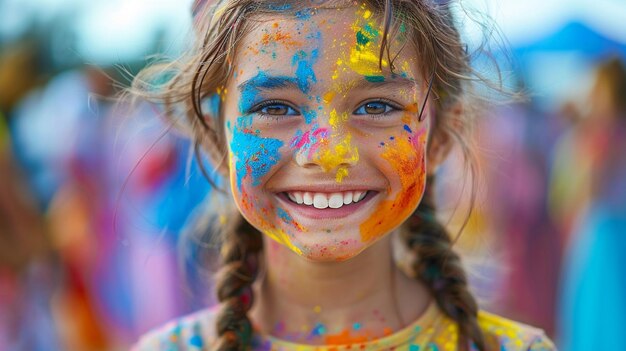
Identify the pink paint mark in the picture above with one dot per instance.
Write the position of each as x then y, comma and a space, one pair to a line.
311, 140
415, 138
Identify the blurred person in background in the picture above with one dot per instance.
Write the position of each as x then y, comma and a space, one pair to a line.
589, 201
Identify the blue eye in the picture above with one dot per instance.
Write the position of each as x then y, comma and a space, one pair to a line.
277, 109
374, 108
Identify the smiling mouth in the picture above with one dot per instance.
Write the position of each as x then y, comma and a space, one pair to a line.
321, 200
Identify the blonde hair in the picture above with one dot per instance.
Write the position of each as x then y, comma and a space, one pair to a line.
184, 84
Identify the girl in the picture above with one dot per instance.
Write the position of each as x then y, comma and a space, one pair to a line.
330, 118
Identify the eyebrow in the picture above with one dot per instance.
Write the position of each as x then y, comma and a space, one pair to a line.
380, 82
263, 81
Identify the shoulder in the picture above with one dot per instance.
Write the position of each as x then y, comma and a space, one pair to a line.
506, 335
192, 332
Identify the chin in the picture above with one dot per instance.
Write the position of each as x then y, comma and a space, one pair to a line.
334, 251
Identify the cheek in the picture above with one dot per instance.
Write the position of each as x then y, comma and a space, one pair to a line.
252, 157
406, 158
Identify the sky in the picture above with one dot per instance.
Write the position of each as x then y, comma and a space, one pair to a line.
116, 30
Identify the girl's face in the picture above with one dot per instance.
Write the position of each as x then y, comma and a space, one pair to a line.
326, 151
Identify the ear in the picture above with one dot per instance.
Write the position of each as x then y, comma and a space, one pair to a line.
441, 140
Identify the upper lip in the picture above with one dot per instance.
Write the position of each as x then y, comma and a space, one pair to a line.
326, 188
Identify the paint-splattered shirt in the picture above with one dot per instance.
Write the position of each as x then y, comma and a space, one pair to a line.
433, 331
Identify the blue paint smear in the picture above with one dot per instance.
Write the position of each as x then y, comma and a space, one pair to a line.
255, 156
284, 215
276, 7
407, 128
309, 115
303, 14
304, 71
251, 89
375, 79
414, 348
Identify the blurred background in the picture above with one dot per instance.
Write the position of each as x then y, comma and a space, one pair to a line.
94, 195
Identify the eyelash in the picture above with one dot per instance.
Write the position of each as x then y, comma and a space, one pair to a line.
258, 109
393, 107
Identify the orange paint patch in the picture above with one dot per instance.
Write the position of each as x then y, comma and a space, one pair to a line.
408, 162
279, 37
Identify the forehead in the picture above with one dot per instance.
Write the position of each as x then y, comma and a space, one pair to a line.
321, 47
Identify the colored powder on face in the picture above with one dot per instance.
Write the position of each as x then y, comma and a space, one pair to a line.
251, 89
282, 7
336, 155
304, 69
408, 129
375, 79
328, 97
364, 57
308, 142
309, 115
407, 160
254, 155
303, 14
342, 172
282, 237
277, 37
284, 215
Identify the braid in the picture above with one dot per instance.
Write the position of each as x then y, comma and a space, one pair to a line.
438, 266
239, 267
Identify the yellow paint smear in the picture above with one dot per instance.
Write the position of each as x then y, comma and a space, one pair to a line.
281, 237
341, 153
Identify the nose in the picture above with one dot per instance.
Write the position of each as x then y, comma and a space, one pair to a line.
331, 149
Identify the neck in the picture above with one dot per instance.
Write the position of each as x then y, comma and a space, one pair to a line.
309, 302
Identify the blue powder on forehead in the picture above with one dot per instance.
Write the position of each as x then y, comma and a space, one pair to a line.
279, 7
304, 71
303, 14
254, 155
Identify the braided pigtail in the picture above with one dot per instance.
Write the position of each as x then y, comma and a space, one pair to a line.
439, 267
239, 267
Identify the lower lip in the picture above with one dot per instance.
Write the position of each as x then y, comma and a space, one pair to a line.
327, 213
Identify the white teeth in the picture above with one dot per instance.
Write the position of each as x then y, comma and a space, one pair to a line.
347, 198
325, 200
335, 200
320, 201
291, 197
298, 197
307, 198
357, 196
